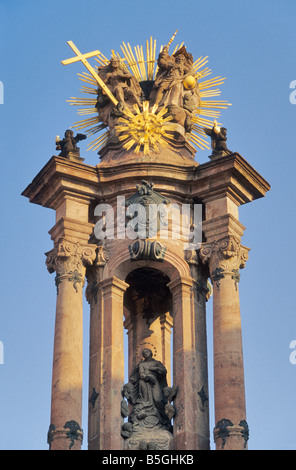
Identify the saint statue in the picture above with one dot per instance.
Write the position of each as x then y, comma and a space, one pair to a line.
124, 87
168, 87
148, 393
175, 86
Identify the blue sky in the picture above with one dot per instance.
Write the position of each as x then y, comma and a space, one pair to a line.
252, 43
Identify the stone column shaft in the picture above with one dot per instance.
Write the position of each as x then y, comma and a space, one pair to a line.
225, 258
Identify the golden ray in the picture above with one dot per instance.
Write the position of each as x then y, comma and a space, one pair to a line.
172, 38
89, 90
210, 93
212, 82
84, 112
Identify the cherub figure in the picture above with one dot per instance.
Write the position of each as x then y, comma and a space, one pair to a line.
69, 143
218, 140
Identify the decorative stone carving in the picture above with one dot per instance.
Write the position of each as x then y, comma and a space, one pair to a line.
245, 431
203, 286
224, 257
68, 260
94, 275
151, 221
75, 432
146, 249
203, 398
93, 397
222, 430
50, 434
225, 429
70, 430
149, 422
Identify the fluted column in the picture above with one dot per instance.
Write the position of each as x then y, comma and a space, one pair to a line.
68, 260
225, 257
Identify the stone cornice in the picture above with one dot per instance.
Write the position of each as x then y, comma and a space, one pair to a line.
48, 183
230, 176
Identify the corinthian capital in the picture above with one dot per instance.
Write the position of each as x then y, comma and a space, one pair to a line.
67, 257
224, 257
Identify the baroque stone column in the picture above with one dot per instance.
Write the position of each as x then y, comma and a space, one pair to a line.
225, 257
68, 260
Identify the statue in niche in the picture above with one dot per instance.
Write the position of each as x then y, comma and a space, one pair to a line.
149, 422
125, 88
69, 143
218, 140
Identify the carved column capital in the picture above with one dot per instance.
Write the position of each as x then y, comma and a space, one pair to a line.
224, 257
69, 261
94, 275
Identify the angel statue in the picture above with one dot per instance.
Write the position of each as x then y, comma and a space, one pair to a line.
218, 140
69, 143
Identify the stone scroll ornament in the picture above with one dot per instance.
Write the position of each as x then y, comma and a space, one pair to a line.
149, 397
68, 260
144, 103
224, 257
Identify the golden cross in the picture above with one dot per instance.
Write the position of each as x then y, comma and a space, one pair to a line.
83, 58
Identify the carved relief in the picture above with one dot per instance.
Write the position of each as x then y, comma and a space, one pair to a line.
70, 430
146, 249
94, 275
150, 221
75, 432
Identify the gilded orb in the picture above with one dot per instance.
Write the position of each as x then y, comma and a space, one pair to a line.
189, 82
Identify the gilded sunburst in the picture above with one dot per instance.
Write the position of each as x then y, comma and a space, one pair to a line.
148, 127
